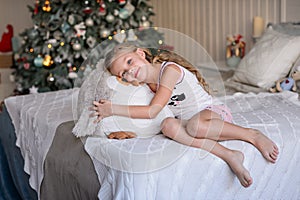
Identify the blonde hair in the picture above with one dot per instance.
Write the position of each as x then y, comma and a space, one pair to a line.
161, 56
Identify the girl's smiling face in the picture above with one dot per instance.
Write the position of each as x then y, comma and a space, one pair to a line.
131, 66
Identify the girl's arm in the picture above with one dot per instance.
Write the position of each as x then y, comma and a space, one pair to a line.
168, 81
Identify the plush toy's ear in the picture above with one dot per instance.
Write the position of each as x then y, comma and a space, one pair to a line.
273, 89
296, 75
122, 81
116, 83
125, 82
278, 86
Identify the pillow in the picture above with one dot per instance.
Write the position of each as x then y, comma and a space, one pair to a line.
270, 59
101, 85
289, 28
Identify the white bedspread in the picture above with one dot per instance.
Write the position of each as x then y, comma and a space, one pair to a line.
35, 118
158, 168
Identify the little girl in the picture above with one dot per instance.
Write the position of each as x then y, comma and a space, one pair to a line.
176, 83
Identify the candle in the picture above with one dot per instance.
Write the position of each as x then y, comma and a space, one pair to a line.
258, 26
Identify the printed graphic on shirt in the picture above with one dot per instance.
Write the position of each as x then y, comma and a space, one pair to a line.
176, 99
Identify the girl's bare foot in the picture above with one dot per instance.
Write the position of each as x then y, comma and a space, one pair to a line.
236, 164
266, 146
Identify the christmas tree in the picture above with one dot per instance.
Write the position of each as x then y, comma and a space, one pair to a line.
64, 33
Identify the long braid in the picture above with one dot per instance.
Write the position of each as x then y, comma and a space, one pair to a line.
173, 57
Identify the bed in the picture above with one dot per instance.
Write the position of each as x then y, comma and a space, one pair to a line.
42, 159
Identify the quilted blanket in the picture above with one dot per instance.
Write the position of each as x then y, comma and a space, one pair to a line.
159, 168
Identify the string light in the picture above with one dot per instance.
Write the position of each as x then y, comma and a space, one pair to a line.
47, 6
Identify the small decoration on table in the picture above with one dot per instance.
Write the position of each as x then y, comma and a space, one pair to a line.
235, 50
5, 43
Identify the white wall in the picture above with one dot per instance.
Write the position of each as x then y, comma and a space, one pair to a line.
15, 12
292, 10
209, 22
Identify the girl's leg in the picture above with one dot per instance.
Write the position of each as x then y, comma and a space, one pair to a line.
208, 124
174, 129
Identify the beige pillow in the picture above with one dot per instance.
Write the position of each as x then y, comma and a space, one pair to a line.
270, 59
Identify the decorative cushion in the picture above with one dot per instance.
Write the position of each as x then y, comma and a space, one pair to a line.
101, 85
270, 59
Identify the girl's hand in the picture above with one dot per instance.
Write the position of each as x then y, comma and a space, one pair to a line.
102, 109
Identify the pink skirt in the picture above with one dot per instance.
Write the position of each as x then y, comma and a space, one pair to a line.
223, 111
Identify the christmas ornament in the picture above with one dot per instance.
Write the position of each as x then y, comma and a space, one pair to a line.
57, 35
87, 7
84, 54
26, 66
144, 18
110, 18
80, 29
104, 32
120, 36
47, 62
50, 78
76, 46
91, 41
123, 13
65, 27
55, 21
38, 61
71, 19
116, 12
89, 22
32, 34
58, 59
129, 7
131, 36
72, 75
36, 7
122, 2
33, 90
133, 23
146, 24
52, 41
102, 8
47, 7
77, 55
